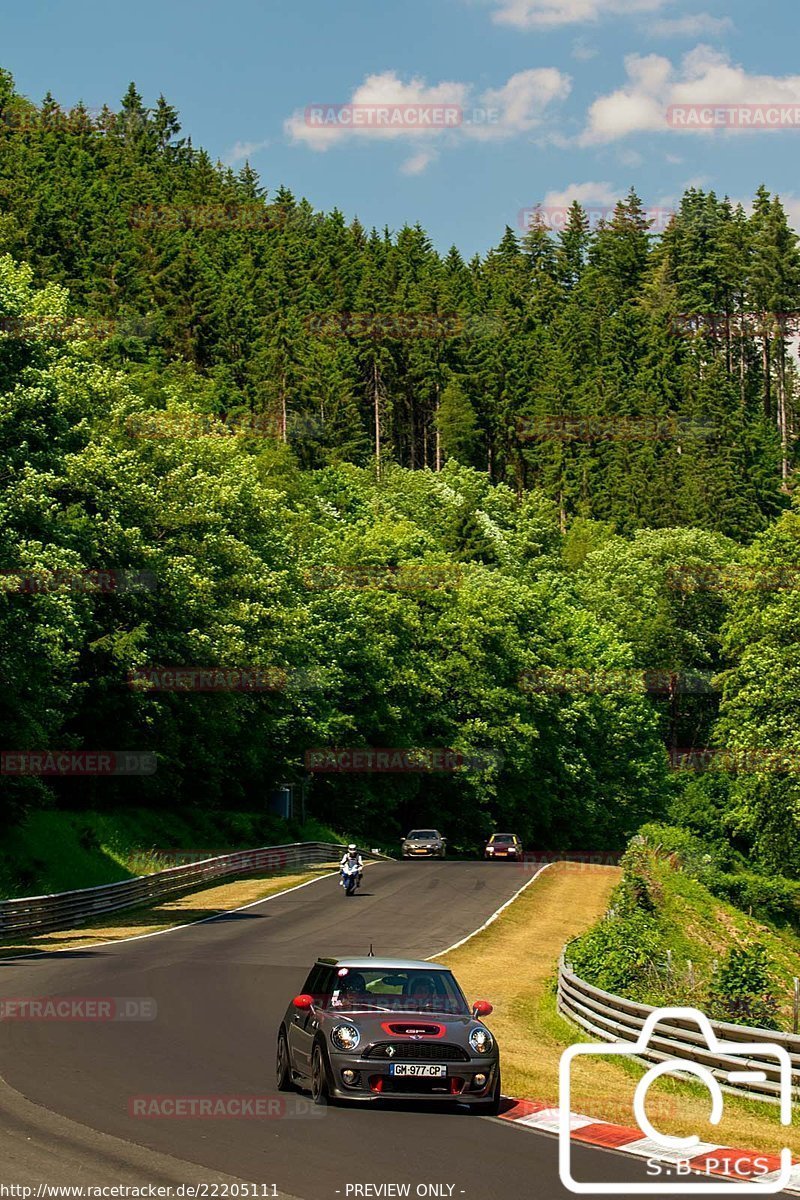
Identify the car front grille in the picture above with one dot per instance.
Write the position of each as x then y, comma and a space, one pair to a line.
418, 1052
421, 1087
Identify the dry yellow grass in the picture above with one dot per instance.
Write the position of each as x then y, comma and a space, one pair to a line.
195, 906
513, 964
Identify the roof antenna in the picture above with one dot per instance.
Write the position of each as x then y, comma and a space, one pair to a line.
371, 951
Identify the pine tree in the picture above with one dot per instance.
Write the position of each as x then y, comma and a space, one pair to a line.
457, 425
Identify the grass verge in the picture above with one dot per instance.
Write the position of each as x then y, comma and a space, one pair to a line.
194, 906
513, 964
55, 850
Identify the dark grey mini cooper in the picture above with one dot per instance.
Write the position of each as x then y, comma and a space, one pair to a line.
388, 1028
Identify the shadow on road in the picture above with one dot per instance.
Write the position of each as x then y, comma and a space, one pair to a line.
236, 916
30, 953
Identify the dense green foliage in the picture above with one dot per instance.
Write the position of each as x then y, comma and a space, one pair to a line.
53, 851
554, 363
742, 988
679, 932
242, 547
554, 452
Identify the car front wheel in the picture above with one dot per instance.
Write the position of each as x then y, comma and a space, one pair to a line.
319, 1078
283, 1070
497, 1096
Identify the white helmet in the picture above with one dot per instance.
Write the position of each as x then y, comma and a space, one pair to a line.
352, 848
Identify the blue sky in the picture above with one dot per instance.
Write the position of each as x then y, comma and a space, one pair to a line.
576, 93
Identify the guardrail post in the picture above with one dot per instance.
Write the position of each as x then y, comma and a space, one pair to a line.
611, 1018
63, 910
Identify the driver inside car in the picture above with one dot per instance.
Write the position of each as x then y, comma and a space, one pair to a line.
422, 991
352, 988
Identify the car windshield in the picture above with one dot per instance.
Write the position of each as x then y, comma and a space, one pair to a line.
418, 835
503, 837
396, 991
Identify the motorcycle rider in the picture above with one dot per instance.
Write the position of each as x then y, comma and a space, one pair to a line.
353, 858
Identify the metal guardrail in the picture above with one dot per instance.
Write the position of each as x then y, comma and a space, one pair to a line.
613, 1019
62, 910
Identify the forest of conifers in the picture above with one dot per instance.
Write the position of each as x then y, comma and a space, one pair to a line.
583, 481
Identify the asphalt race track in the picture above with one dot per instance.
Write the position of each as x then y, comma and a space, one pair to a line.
221, 988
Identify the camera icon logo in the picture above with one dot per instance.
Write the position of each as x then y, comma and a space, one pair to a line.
677, 1152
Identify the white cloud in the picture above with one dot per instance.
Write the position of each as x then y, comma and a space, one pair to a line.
419, 162
520, 104
692, 25
386, 107
630, 158
597, 198
792, 205
590, 192
790, 202
320, 126
243, 150
705, 78
537, 14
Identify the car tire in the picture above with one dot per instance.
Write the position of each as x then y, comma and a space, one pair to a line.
283, 1069
493, 1109
320, 1092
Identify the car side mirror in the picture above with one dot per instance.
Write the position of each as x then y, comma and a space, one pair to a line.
481, 1008
303, 1000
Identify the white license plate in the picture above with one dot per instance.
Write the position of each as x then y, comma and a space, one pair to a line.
423, 1070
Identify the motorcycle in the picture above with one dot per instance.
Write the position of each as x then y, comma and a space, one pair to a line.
349, 880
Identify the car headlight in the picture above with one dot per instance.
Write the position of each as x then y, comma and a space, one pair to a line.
481, 1041
490, 849
345, 1037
